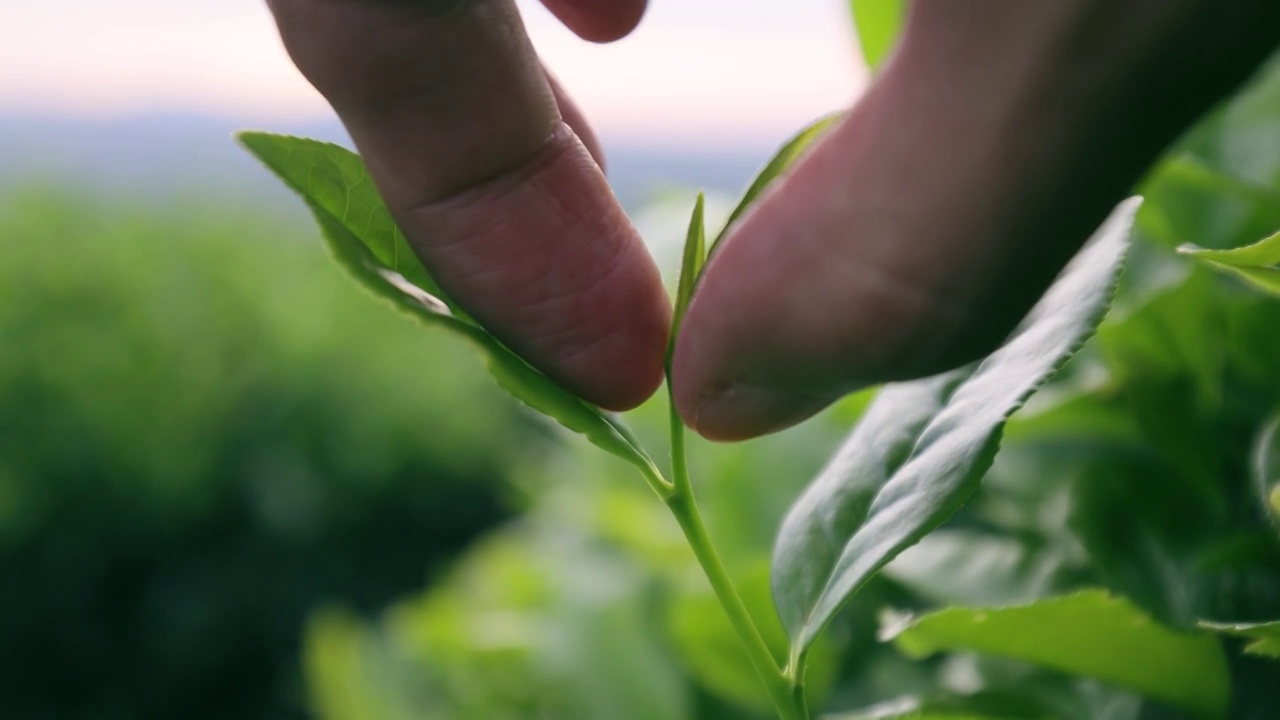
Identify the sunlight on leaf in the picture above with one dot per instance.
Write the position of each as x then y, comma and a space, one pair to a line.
919, 716
1264, 637
334, 179
1031, 698
1266, 468
1257, 264
1090, 634
923, 447
976, 568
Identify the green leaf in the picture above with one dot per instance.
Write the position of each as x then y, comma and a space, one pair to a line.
976, 568
334, 180
1239, 137
1090, 634
1191, 201
1266, 468
1264, 637
1145, 512
790, 151
1192, 173
923, 447
986, 686
1144, 531
1257, 264
345, 679
1265, 279
1264, 253
879, 23
695, 256
976, 706
364, 239
922, 715
1238, 142
604, 430
531, 622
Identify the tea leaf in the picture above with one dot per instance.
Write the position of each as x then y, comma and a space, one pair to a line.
1090, 634
365, 240
790, 151
1264, 637
923, 447
878, 23
334, 179
982, 705
1266, 469
1257, 264
695, 256
923, 715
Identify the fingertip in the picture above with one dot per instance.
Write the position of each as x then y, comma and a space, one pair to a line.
597, 21
547, 261
737, 411
623, 382
715, 399
622, 363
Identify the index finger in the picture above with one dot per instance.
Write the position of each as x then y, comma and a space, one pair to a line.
460, 129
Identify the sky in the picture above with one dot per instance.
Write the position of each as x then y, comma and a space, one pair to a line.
707, 73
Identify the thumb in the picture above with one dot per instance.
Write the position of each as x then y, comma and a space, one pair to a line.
924, 226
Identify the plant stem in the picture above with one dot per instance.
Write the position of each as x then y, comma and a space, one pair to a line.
793, 673
789, 704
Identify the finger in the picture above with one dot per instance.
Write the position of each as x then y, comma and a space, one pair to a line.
460, 130
576, 120
598, 20
923, 227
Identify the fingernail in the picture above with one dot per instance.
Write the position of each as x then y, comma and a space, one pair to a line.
740, 410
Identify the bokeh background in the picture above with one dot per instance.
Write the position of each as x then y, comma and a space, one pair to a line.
207, 434
233, 484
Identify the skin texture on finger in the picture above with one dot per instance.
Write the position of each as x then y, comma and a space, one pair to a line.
459, 126
576, 121
923, 227
598, 20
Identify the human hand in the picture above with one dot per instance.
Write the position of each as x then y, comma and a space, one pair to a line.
910, 240
488, 168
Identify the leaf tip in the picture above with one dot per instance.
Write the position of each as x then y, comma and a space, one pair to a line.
249, 139
692, 259
893, 622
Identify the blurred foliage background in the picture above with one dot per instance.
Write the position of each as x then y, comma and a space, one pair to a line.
205, 430
234, 485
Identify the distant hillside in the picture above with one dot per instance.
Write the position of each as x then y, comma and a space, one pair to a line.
161, 156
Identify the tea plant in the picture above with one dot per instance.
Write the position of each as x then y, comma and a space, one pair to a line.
922, 448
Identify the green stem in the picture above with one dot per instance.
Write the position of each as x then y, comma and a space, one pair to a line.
685, 509
793, 673
680, 484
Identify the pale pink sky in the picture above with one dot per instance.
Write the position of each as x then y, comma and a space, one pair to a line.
716, 72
